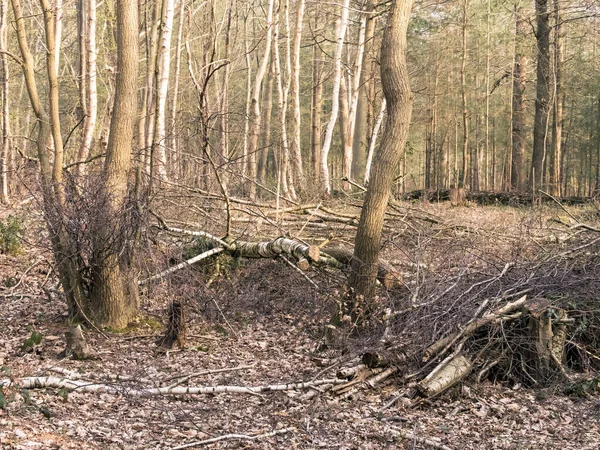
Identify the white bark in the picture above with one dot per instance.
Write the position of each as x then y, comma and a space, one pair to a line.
91, 93
341, 33
255, 102
5, 155
374, 141
296, 147
173, 144
164, 59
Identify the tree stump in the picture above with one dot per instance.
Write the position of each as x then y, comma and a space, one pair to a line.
77, 346
548, 336
457, 196
175, 327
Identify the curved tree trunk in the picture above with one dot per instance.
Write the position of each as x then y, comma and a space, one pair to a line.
398, 95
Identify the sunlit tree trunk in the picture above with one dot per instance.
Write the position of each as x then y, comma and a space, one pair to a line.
5, 154
173, 140
159, 147
255, 101
398, 94
463, 82
295, 131
558, 100
90, 91
316, 111
335, 102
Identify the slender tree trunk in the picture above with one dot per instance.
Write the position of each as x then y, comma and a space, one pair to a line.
463, 82
542, 101
255, 102
267, 95
558, 99
396, 88
283, 159
295, 132
335, 103
518, 104
173, 135
316, 111
5, 167
91, 92
360, 143
159, 147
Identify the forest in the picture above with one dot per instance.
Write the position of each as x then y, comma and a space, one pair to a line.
353, 224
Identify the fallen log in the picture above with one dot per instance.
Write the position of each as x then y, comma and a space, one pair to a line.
445, 376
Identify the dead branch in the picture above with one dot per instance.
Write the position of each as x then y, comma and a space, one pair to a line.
228, 437
443, 344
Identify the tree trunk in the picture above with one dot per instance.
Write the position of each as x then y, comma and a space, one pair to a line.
542, 101
316, 111
90, 91
463, 83
295, 132
159, 147
255, 102
5, 175
335, 102
396, 88
173, 140
360, 143
518, 104
558, 98
114, 300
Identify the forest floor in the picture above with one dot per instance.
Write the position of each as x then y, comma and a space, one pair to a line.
265, 315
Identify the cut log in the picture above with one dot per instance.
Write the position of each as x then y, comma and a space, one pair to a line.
445, 375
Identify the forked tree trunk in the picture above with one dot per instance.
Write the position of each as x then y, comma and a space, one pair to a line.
396, 88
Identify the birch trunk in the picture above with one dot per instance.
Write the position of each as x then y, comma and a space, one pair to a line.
90, 89
159, 148
316, 111
4, 78
556, 157
337, 75
173, 140
255, 102
296, 144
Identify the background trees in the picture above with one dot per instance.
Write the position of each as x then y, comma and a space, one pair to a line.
283, 99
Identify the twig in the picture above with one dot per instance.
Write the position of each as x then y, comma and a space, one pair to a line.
227, 437
559, 204
185, 378
417, 439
